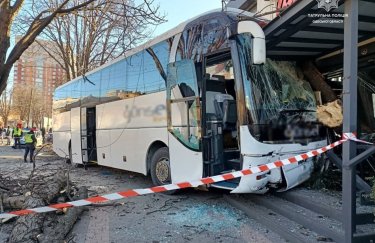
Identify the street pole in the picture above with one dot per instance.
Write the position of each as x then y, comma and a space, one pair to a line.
28, 114
350, 116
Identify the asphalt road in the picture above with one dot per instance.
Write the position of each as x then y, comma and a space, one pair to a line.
189, 216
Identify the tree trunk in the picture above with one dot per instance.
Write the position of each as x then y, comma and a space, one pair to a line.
4, 74
27, 228
46, 227
330, 113
56, 228
317, 81
5, 25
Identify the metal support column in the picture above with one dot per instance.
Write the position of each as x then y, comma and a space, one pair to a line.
350, 116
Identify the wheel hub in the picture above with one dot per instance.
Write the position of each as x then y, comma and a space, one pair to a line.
162, 170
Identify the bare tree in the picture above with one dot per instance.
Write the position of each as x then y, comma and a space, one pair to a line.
20, 96
9, 10
5, 106
38, 109
93, 36
28, 103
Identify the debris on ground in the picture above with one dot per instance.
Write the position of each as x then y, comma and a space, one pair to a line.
29, 186
143, 219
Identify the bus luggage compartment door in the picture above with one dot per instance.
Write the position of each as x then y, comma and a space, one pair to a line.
76, 145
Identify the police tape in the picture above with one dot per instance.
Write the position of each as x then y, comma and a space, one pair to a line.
353, 137
170, 187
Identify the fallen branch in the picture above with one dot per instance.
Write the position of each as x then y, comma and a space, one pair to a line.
16, 202
110, 204
4, 188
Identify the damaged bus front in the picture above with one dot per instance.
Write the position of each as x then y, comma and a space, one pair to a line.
275, 112
280, 121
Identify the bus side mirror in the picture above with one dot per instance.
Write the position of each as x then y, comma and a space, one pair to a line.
258, 51
258, 45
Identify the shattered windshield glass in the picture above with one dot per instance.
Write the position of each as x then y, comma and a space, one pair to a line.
277, 89
281, 105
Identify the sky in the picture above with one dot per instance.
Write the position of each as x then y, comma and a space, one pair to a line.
178, 11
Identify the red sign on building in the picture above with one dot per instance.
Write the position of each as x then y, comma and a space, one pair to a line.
284, 3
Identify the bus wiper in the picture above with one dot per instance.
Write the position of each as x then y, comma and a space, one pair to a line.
297, 111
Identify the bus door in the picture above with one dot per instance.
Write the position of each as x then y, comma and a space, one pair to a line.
83, 130
84, 134
183, 111
220, 136
76, 139
91, 134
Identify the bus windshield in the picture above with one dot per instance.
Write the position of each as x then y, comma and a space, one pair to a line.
281, 105
276, 89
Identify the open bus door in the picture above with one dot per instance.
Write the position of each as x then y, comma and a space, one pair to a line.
76, 143
184, 122
91, 135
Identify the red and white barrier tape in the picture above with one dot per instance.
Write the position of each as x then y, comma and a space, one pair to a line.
353, 137
207, 180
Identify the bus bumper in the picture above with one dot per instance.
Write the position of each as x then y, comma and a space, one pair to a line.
294, 175
255, 153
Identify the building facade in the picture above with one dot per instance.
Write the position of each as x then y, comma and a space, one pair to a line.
37, 71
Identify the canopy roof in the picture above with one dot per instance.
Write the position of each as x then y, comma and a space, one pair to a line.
294, 35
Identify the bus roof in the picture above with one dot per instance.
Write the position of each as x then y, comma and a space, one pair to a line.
166, 35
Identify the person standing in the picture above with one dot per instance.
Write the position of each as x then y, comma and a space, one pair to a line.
7, 134
30, 143
17, 134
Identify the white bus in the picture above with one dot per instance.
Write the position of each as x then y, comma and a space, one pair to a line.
197, 101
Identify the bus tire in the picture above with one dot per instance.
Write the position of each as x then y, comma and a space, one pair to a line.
160, 168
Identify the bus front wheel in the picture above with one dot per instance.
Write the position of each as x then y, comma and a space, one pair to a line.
160, 167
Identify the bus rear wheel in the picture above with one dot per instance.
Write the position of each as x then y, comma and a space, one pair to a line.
160, 167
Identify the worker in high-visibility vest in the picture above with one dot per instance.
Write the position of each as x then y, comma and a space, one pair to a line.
17, 134
30, 143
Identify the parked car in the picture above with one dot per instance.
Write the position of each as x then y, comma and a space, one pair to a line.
49, 138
